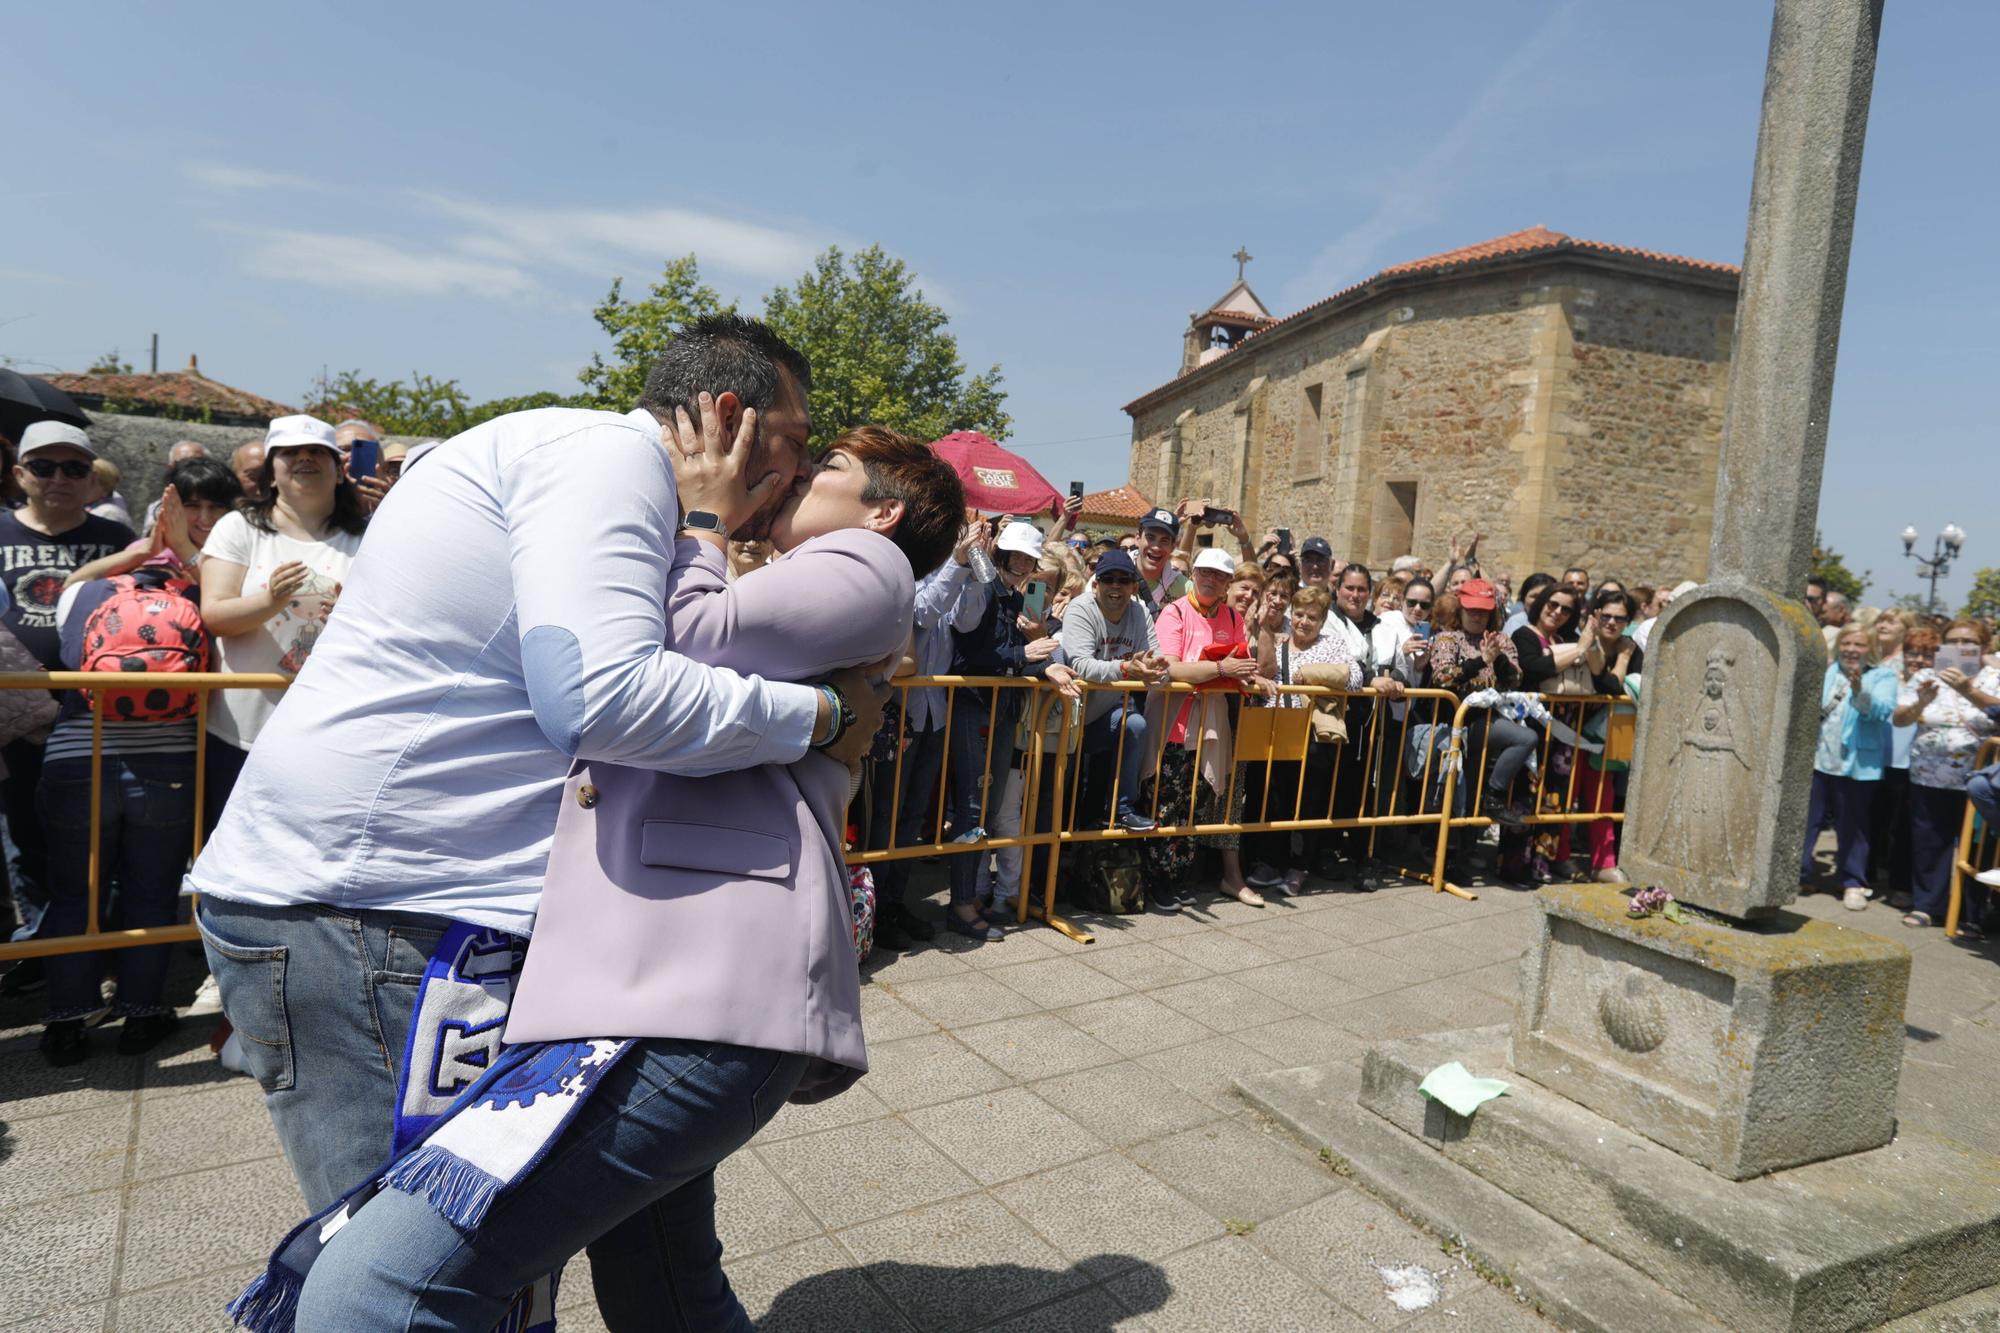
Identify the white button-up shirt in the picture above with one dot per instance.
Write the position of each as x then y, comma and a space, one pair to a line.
505, 616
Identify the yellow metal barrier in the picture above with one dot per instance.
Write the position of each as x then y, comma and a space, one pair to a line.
1572, 710
203, 683
1978, 844
1366, 780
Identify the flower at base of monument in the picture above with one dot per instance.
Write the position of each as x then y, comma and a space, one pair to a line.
1648, 901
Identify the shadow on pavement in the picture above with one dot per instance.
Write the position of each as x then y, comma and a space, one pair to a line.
941, 1297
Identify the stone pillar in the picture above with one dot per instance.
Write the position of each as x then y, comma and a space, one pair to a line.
1731, 713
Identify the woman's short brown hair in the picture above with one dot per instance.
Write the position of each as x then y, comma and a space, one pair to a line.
1248, 573
1977, 627
1922, 639
1310, 598
1444, 611
900, 468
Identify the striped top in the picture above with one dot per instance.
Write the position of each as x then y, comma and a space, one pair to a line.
71, 738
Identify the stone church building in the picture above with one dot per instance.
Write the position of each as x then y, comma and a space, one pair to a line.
1564, 397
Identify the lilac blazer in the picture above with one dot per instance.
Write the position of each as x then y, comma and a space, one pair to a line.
716, 909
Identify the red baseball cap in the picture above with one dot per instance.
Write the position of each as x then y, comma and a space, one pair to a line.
1476, 595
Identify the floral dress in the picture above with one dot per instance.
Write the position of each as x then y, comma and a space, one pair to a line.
1949, 732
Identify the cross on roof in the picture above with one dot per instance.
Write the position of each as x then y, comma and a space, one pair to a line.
1241, 257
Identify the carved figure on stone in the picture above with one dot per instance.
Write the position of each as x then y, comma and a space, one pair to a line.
1709, 769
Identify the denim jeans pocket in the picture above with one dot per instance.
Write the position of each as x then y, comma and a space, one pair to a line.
787, 1068
252, 981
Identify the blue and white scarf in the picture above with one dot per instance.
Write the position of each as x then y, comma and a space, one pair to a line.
473, 1118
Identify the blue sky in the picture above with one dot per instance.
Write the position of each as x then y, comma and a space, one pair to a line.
451, 188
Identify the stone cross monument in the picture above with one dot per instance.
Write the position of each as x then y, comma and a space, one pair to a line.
1716, 1039
1724, 763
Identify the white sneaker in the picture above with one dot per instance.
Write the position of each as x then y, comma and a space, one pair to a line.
1855, 899
231, 1055
207, 999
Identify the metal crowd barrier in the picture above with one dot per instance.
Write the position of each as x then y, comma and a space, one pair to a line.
1400, 768
203, 683
1546, 807
1978, 845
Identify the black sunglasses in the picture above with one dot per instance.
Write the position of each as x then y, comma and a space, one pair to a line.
73, 468
1115, 580
1414, 604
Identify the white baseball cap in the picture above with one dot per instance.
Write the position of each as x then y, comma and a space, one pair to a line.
49, 434
1214, 557
298, 432
1023, 537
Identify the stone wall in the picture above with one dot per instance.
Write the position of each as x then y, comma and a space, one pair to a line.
138, 445
1570, 411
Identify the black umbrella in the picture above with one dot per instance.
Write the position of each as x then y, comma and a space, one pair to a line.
25, 399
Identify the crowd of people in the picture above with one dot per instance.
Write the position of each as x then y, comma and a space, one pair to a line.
1190, 598
234, 567
556, 808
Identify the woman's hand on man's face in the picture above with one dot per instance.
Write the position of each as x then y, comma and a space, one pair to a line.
711, 466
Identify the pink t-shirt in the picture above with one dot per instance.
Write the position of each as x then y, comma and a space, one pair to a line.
1183, 633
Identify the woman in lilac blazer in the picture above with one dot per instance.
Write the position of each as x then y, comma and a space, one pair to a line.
716, 908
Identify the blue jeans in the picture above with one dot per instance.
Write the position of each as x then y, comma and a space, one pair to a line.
649, 1138
145, 835
1844, 803
1100, 736
321, 999
976, 785
913, 805
1983, 790
1937, 816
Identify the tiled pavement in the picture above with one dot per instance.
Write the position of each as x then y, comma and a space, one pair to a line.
1048, 1139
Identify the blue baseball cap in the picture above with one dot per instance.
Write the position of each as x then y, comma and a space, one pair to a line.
1116, 562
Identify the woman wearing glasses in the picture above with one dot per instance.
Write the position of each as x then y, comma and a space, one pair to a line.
1949, 705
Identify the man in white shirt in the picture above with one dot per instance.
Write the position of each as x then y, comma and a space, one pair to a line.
504, 618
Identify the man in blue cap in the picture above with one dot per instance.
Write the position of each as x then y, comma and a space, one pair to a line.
1107, 637
1316, 563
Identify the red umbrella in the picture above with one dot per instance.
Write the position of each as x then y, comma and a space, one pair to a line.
995, 480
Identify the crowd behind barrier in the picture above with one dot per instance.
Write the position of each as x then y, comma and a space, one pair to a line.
1100, 721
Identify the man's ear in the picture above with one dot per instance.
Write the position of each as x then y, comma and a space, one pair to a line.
729, 413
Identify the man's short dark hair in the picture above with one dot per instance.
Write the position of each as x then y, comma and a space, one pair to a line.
205, 478
723, 354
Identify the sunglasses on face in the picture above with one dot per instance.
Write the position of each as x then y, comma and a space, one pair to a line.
1417, 604
1113, 581
73, 468
1562, 610
1610, 618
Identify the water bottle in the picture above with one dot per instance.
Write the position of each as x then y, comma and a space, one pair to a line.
982, 564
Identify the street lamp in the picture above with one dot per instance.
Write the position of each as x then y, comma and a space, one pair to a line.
1949, 542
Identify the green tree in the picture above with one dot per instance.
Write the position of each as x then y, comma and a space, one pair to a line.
640, 331
1829, 566
424, 405
880, 352
109, 364
1983, 601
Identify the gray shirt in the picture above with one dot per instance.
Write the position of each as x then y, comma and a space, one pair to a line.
1096, 647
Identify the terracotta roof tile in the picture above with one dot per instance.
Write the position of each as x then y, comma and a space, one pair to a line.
183, 390
1120, 504
1528, 241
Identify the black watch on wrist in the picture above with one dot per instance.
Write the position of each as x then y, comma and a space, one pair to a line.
700, 520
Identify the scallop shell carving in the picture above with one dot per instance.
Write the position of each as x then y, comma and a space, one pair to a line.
1632, 1014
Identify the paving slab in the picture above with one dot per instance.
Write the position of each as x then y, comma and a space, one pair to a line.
904, 1254
861, 1172
996, 1136
1107, 1215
